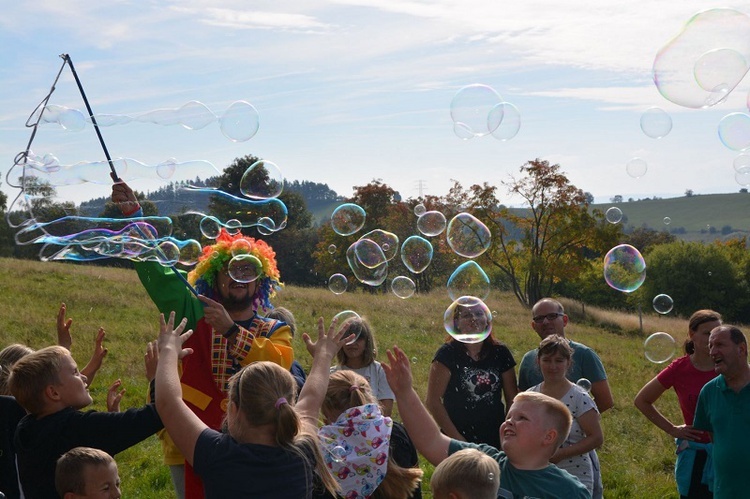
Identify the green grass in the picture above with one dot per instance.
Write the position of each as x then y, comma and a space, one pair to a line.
637, 458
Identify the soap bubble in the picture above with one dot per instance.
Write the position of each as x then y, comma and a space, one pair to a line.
504, 121
331, 249
388, 242
734, 131
624, 268
663, 304
338, 454
462, 131
240, 122
403, 287
467, 236
614, 215
659, 347
262, 180
416, 253
469, 279
742, 161
413, 360
667, 220
656, 123
369, 253
348, 219
337, 283
72, 119
584, 384
742, 176
468, 320
195, 115
636, 167
343, 319
245, 268
471, 107
419, 210
431, 223
210, 227
371, 276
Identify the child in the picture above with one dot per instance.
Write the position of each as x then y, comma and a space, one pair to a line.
554, 358
271, 448
534, 428
466, 474
87, 473
368, 454
10, 414
285, 315
49, 386
359, 357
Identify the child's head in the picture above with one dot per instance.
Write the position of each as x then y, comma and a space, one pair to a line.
8, 358
284, 315
346, 389
534, 423
364, 347
48, 380
466, 474
262, 394
554, 356
84, 472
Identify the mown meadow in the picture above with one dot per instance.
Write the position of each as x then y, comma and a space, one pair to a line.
637, 459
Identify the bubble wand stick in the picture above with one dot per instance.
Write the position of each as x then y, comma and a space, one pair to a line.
113, 173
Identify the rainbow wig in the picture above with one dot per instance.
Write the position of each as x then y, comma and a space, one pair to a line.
216, 256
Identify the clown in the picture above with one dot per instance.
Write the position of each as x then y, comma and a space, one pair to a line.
228, 333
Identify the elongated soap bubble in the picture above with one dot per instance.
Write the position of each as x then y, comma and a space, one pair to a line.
348, 219
624, 268
337, 283
468, 320
210, 227
659, 347
196, 202
656, 123
734, 131
662, 303
471, 106
262, 180
195, 115
416, 253
469, 279
613, 215
468, 236
370, 276
431, 223
388, 242
403, 287
72, 120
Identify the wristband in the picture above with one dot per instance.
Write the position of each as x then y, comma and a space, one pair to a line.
229, 332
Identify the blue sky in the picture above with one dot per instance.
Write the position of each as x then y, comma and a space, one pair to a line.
352, 90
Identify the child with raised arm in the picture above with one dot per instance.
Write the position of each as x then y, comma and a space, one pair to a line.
86, 473
466, 474
49, 386
271, 448
534, 428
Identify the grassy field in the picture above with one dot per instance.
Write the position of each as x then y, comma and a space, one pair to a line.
637, 458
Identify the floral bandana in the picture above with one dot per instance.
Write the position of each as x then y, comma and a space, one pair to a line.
355, 449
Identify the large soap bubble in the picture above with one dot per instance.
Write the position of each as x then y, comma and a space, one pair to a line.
369, 253
613, 215
469, 279
245, 268
344, 319
431, 223
470, 110
504, 121
371, 276
663, 304
403, 287
240, 122
656, 123
468, 236
416, 253
337, 283
468, 320
734, 131
262, 180
659, 347
624, 268
388, 242
348, 219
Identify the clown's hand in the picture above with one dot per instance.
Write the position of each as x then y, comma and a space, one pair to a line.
124, 197
216, 315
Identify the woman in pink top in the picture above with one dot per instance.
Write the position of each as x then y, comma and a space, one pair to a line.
687, 375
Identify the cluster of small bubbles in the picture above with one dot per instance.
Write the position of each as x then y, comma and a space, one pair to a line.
703, 64
469, 279
636, 167
262, 180
338, 454
467, 236
337, 283
210, 227
613, 215
734, 131
656, 123
419, 210
331, 249
431, 223
667, 220
244, 268
403, 287
416, 253
504, 121
468, 320
709, 273
348, 219
584, 384
663, 304
659, 347
369, 253
624, 268
470, 110
343, 319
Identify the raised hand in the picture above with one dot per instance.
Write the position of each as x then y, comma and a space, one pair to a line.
216, 315
172, 338
151, 360
124, 197
64, 339
97, 357
329, 342
398, 371
114, 396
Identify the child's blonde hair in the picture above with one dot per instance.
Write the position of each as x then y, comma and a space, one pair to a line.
265, 394
347, 389
69, 473
362, 329
8, 357
32, 374
558, 415
469, 473
284, 315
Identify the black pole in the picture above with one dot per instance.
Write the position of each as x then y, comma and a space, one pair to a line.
113, 173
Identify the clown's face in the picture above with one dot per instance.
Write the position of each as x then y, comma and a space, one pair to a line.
235, 295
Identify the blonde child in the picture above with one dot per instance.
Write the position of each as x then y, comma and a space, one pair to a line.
534, 428
86, 473
359, 356
368, 453
466, 474
285, 315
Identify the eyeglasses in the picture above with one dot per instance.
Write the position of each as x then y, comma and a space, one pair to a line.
550, 317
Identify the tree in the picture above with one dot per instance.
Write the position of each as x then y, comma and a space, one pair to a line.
589, 198
644, 238
689, 193
616, 199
